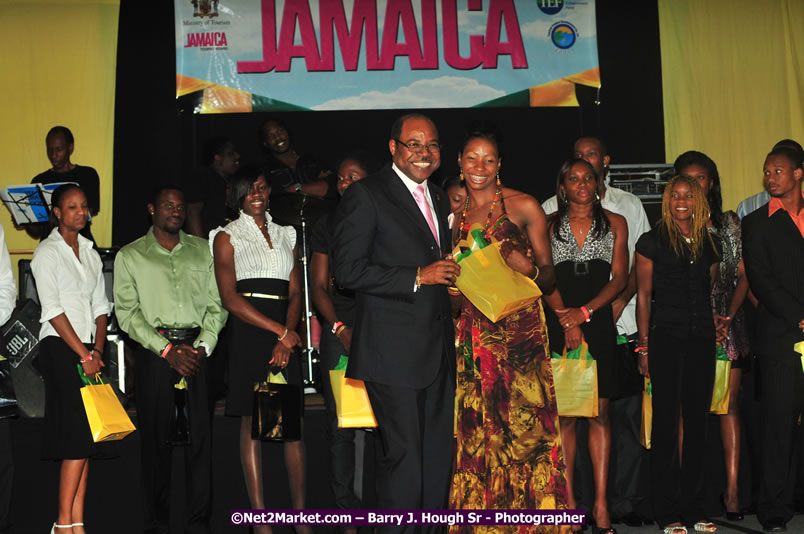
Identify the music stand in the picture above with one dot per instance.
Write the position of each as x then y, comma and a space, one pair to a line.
29, 203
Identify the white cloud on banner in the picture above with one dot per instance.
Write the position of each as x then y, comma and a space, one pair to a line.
444, 92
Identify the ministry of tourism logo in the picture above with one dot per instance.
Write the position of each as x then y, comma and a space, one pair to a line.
550, 7
205, 8
563, 34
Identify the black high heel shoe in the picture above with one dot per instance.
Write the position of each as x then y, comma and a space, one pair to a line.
730, 516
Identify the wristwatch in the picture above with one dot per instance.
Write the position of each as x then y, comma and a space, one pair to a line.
297, 187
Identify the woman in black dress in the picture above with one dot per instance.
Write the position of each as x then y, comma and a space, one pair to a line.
590, 254
69, 281
259, 283
728, 294
676, 265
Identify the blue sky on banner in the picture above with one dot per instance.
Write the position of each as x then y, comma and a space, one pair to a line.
241, 23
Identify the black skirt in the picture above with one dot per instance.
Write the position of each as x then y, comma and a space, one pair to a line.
250, 347
66, 429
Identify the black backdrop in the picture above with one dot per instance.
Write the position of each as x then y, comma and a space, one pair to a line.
157, 137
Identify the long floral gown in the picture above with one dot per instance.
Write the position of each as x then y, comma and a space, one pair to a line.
508, 442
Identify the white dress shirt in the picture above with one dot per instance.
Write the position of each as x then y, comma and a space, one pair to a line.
411, 185
8, 287
253, 257
70, 286
629, 206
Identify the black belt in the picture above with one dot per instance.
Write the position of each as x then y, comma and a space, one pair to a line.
179, 335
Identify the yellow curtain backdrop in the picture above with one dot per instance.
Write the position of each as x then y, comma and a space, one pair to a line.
57, 60
733, 83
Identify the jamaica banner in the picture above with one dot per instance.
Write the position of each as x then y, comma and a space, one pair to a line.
264, 55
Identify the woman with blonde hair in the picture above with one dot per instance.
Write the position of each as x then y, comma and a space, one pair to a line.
728, 294
676, 266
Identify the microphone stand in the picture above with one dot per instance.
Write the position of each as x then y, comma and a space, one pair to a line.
308, 350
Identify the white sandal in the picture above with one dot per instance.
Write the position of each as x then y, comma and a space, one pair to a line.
55, 526
705, 526
678, 529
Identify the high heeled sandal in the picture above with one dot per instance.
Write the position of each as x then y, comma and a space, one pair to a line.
705, 526
56, 525
730, 516
678, 529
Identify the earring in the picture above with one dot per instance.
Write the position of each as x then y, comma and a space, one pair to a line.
562, 196
498, 179
597, 197
461, 176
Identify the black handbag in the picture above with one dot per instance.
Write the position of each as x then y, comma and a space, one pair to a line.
8, 398
179, 434
277, 411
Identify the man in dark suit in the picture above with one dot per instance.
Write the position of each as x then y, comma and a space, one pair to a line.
391, 237
773, 251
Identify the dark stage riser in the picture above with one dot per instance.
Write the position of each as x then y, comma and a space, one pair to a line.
114, 503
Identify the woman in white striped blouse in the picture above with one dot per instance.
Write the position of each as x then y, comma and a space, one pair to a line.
260, 284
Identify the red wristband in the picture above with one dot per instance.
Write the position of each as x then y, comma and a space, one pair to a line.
586, 314
166, 350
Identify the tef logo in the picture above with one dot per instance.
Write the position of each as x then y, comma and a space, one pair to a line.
550, 7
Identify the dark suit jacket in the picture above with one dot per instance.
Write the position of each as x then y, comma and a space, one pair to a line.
773, 252
381, 237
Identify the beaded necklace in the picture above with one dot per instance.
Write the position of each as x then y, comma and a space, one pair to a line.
497, 196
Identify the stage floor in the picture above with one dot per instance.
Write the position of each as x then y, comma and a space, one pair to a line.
114, 504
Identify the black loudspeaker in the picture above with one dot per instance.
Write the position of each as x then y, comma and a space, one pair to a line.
19, 341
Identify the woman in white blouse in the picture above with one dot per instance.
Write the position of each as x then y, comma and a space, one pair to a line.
69, 280
260, 284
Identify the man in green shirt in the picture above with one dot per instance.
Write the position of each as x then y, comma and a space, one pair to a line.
166, 299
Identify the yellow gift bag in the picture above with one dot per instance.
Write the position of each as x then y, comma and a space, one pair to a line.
108, 420
646, 427
575, 378
799, 347
720, 393
487, 281
351, 399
